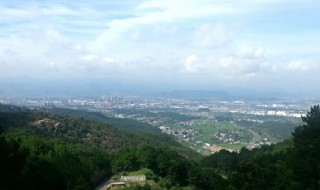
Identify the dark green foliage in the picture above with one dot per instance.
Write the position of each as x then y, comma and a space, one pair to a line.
307, 150
274, 167
113, 133
279, 130
138, 187
125, 161
74, 153
127, 125
205, 178
36, 163
166, 164
224, 160
263, 172
80, 153
12, 161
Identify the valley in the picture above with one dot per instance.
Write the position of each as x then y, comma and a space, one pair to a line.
205, 125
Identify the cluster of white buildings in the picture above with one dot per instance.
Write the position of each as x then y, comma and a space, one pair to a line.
184, 134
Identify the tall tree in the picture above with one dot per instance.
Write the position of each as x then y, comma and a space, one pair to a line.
307, 149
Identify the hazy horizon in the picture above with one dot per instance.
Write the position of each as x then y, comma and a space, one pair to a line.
263, 46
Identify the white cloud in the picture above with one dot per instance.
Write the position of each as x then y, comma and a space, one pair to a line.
303, 65
178, 9
237, 67
59, 10
155, 12
189, 64
195, 40
245, 63
53, 36
13, 13
213, 35
251, 52
135, 35
108, 60
41, 53
89, 58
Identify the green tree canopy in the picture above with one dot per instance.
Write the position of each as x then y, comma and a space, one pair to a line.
307, 149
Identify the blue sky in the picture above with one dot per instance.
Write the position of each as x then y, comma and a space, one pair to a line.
265, 44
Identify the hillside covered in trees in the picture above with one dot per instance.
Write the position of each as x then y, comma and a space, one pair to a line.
61, 149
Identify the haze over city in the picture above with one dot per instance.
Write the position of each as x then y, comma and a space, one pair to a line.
265, 45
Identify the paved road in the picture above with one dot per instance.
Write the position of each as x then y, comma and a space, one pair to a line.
256, 137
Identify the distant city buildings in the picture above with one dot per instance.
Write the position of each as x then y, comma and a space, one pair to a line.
195, 107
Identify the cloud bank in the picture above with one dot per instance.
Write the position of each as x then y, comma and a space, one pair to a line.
248, 43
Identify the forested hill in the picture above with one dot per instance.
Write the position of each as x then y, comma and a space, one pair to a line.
68, 129
90, 128
127, 125
43, 150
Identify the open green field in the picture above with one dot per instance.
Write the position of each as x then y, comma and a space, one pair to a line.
217, 129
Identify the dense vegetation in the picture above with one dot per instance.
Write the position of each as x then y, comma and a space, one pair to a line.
276, 127
127, 125
41, 150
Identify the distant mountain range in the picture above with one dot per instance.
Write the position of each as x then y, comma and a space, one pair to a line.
196, 94
26, 87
